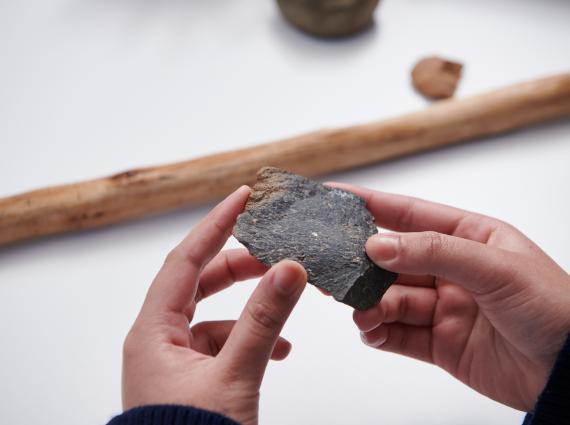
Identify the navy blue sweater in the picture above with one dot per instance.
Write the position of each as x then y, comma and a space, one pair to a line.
552, 408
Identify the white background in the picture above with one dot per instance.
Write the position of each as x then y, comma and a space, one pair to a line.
91, 87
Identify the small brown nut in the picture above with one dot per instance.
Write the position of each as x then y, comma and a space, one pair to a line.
329, 18
436, 78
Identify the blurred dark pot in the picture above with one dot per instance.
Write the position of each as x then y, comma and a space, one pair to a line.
329, 18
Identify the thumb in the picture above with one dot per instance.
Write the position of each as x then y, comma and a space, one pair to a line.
479, 268
253, 337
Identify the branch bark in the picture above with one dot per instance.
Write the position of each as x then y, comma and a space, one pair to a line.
140, 192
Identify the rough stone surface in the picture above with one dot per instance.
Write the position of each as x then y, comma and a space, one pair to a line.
329, 18
290, 217
436, 78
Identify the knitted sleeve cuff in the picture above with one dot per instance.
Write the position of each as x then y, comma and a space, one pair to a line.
170, 415
553, 405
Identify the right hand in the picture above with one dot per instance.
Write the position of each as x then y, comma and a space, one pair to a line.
474, 297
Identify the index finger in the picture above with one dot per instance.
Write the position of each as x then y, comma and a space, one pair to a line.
251, 342
176, 282
407, 214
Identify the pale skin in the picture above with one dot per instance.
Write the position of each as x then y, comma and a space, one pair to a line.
474, 296
216, 366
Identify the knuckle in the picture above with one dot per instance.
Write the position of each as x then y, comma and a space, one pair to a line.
406, 219
220, 228
173, 256
200, 294
263, 319
388, 310
494, 225
130, 346
173, 320
404, 341
434, 244
508, 227
181, 255
403, 307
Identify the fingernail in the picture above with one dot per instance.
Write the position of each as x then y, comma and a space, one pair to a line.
383, 247
286, 279
366, 321
380, 341
373, 343
244, 188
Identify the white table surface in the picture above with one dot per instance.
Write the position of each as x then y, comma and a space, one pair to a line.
91, 87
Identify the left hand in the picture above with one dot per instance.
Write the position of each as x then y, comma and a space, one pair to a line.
216, 366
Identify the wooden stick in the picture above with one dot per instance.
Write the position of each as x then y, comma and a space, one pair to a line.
140, 192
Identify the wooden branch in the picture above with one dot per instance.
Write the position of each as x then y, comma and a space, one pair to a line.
140, 192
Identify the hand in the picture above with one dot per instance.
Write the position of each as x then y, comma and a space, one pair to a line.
474, 296
216, 366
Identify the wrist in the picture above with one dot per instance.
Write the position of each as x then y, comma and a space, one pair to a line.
552, 404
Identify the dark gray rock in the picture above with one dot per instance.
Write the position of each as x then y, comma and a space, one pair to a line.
291, 217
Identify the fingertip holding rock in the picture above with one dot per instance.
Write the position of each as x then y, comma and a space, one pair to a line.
383, 248
289, 277
243, 189
242, 193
